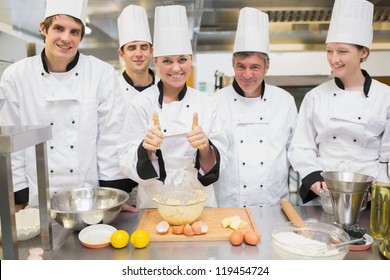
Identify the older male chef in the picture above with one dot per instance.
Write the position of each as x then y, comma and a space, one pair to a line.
259, 120
77, 95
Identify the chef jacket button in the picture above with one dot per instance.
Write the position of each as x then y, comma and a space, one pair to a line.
261, 141
265, 99
334, 137
188, 106
334, 94
359, 118
51, 171
165, 130
51, 147
241, 141
235, 99
261, 118
77, 74
244, 186
261, 163
261, 186
71, 146
73, 122
260, 205
51, 123
71, 171
243, 163
354, 140
42, 74
244, 206
127, 89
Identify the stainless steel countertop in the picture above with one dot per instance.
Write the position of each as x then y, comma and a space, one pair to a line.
68, 247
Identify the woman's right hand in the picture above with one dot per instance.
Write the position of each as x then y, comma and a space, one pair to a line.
318, 187
154, 136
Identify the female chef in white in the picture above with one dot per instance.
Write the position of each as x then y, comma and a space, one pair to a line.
78, 95
344, 123
259, 120
186, 132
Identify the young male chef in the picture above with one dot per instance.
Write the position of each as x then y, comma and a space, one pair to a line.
259, 120
344, 123
78, 96
136, 51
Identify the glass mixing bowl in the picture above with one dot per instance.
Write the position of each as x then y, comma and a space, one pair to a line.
309, 242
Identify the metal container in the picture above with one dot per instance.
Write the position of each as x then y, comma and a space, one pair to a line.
348, 191
82, 207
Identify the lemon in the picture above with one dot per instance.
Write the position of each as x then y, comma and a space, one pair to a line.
140, 238
119, 239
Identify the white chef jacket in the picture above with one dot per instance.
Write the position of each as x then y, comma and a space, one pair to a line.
85, 108
128, 89
176, 121
259, 131
341, 130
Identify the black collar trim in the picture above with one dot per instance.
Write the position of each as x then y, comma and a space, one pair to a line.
366, 86
130, 81
182, 93
241, 92
70, 66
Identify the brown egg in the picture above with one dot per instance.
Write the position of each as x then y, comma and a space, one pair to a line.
187, 230
236, 237
162, 227
251, 237
177, 229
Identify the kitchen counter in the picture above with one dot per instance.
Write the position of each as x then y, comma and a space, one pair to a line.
66, 245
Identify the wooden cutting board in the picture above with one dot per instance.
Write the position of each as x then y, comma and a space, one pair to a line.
211, 216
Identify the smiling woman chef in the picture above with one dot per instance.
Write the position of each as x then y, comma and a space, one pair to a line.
78, 95
343, 124
171, 126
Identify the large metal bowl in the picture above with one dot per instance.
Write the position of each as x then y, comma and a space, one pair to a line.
79, 208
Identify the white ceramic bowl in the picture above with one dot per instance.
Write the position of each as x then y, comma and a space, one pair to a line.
309, 242
27, 224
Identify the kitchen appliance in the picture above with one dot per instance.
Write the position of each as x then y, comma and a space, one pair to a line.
348, 191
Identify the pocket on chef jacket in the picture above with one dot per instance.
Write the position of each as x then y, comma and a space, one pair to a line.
374, 127
351, 128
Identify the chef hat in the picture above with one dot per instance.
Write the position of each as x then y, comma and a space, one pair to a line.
351, 23
171, 34
74, 8
133, 25
252, 33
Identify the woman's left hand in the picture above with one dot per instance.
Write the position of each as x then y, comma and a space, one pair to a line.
197, 138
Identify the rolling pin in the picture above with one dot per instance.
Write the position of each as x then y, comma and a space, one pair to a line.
291, 213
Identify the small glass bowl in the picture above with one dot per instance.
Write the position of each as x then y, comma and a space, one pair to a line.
326, 202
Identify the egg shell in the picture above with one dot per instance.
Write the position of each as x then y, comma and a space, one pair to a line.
236, 237
162, 227
197, 227
187, 230
204, 227
178, 229
251, 238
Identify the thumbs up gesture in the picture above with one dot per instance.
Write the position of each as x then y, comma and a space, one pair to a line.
197, 138
154, 136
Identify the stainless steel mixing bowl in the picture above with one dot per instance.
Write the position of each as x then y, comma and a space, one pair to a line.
82, 207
